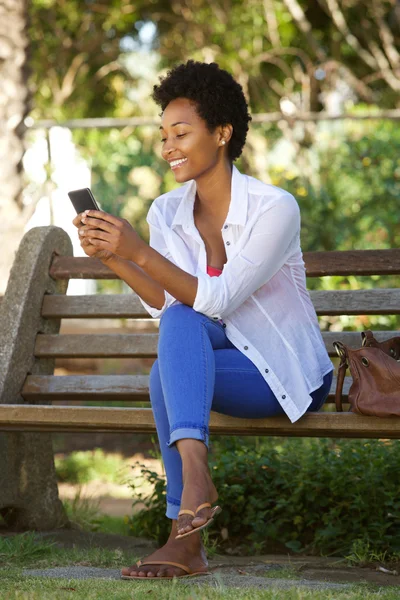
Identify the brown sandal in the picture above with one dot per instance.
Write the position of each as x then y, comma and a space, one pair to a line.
214, 511
164, 562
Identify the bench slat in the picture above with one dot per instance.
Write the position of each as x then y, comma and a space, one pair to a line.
333, 302
17, 417
144, 345
356, 302
349, 262
100, 387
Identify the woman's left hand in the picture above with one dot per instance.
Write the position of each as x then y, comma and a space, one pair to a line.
117, 235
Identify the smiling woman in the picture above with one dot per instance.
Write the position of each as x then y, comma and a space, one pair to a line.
224, 273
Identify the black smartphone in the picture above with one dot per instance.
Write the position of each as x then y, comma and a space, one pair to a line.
83, 200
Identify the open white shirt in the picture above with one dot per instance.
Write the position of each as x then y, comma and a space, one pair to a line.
261, 295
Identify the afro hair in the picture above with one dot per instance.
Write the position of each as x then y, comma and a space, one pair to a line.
218, 97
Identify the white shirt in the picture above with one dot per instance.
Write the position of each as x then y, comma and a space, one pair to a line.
261, 294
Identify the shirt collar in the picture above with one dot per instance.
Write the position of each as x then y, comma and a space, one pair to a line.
237, 213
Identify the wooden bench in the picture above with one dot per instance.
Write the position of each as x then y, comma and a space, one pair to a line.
35, 302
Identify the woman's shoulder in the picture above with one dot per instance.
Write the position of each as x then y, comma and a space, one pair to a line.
167, 204
260, 188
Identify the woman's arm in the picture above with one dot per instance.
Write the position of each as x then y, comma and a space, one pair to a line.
117, 236
146, 287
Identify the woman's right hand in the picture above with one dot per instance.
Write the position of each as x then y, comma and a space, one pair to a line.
88, 248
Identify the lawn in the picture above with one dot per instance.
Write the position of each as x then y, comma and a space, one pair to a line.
24, 551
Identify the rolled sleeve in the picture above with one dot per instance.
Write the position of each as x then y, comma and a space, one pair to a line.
157, 242
270, 243
156, 313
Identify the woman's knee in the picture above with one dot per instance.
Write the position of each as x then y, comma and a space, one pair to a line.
178, 313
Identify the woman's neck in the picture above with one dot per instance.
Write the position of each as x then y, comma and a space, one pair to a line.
213, 193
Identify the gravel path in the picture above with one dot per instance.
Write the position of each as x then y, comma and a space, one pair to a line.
216, 579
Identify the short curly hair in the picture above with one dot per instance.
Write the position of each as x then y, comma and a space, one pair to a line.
219, 98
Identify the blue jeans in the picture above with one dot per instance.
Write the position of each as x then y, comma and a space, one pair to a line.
198, 370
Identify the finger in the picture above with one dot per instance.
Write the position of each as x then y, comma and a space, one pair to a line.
99, 214
100, 244
98, 234
78, 219
98, 224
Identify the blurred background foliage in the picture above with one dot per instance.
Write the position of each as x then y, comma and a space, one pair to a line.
102, 58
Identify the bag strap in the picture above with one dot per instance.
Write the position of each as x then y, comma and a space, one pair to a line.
367, 338
342, 353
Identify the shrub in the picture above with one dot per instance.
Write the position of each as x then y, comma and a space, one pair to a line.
82, 467
315, 496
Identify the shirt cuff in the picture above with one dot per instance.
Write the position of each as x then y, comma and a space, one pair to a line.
156, 313
205, 285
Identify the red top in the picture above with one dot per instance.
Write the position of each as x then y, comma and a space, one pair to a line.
213, 272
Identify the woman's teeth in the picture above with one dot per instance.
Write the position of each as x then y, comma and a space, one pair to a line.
175, 164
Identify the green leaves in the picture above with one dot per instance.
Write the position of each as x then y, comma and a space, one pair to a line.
314, 495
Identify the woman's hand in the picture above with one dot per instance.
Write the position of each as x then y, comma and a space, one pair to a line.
88, 248
109, 235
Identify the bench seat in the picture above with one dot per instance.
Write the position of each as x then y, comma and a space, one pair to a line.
17, 417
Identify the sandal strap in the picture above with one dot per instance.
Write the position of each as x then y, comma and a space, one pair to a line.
206, 504
186, 512
165, 562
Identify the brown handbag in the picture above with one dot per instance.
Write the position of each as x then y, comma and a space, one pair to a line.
375, 369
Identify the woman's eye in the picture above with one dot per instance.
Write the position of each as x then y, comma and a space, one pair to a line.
181, 135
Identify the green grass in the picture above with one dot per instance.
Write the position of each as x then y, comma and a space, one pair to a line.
85, 513
28, 551
15, 587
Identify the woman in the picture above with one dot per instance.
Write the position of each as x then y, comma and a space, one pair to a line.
224, 271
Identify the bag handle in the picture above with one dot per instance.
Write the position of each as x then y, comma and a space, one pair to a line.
342, 353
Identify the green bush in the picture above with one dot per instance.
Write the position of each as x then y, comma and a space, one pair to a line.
316, 496
82, 467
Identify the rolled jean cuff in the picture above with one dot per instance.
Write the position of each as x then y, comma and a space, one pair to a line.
173, 507
194, 433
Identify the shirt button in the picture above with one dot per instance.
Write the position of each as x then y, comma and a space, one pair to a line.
267, 370
225, 226
224, 325
246, 347
228, 243
283, 397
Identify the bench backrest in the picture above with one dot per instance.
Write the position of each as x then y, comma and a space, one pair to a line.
35, 302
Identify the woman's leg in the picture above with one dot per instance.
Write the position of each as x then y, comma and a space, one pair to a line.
194, 370
186, 368
198, 367
181, 391
241, 391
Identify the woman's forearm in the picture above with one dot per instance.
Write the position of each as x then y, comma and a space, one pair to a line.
149, 290
180, 284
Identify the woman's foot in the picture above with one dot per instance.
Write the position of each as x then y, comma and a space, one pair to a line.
189, 552
198, 488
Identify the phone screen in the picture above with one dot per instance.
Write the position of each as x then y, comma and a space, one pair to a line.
83, 200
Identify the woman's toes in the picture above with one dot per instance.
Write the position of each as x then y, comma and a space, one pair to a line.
128, 571
198, 521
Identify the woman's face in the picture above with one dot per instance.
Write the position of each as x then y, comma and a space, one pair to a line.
184, 135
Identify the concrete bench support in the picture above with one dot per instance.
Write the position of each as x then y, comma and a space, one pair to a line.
28, 490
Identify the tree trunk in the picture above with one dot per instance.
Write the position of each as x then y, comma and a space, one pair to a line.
28, 491
14, 107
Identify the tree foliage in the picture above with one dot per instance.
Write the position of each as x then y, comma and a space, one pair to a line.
87, 61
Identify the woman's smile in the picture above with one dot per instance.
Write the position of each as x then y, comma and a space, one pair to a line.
175, 164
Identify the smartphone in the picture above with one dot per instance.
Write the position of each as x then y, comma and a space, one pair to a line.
83, 200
